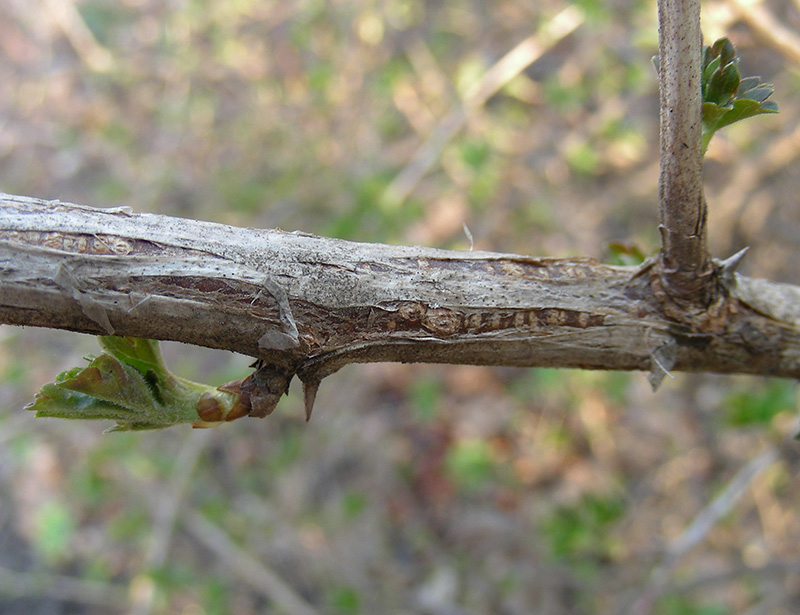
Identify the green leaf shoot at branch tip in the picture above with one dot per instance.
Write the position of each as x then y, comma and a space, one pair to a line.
726, 96
130, 384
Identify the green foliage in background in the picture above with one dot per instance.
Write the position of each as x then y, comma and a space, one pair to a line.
675, 604
469, 464
759, 406
580, 533
55, 527
344, 600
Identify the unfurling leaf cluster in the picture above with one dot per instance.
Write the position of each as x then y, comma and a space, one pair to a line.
726, 96
130, 384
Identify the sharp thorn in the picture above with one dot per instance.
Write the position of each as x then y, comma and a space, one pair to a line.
310, 388
729, 266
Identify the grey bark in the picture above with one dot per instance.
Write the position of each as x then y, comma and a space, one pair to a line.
686, 266
308, 305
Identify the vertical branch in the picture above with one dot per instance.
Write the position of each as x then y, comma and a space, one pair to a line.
685, 263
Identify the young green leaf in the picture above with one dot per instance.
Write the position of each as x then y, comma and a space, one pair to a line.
724, 49
726, 97
143, 354
130, 385
723, 84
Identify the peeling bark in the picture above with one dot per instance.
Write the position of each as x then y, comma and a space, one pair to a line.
306, 305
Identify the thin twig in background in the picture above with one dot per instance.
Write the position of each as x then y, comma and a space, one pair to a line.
66, 15
699, 528
241, 563
61, 588
508, 67
168, 503
722, 504
770, 569
767, 604
768, 28
731, 202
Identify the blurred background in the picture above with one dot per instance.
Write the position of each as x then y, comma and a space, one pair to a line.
415, 489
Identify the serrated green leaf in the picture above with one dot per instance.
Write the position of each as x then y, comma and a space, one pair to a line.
759, 94
748, 83
72, 372
110, 380
723, 84
55, 401
725, 50
742, 109
712, 112
132, 388
709, 70
106, 388
143, 354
